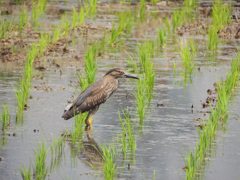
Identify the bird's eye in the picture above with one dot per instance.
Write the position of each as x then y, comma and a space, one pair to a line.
121, 72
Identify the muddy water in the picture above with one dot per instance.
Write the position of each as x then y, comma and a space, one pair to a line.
168, 132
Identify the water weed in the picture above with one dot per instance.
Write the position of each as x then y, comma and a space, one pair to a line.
5, 116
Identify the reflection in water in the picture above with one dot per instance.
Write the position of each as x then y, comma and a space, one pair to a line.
87, 150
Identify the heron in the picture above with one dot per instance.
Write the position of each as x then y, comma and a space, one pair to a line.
96, 94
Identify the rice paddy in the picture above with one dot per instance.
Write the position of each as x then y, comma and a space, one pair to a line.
53, 50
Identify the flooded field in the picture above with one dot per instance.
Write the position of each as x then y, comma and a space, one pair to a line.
180, 120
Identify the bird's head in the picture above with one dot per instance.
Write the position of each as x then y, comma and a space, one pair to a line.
119, 73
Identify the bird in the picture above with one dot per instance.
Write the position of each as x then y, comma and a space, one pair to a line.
96, 94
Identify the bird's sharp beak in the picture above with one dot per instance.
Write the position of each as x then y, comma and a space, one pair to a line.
131, 76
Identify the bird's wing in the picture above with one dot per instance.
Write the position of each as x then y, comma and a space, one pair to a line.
96, 96
82, 98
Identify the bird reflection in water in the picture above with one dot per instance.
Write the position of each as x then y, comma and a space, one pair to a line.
88, 150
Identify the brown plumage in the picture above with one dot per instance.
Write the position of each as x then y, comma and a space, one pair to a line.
96, 94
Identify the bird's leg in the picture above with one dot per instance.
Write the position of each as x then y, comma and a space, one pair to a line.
89, 122
91, 113
86, 120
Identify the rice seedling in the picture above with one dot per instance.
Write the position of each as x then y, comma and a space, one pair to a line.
78, 129
142, 10
101, 47
40, 168
6, 27
193, 47
57, 148
92, 7
222, 14
38, 9
141, 99
194, 160
186, 56
114, 35
150, 47
26, 174
65, 24
42, 6
74, 18
5, 116
150, 79
154, 2
167, 23
189, 5
161, 36
124, 134
212, 38
131, 63
90, 64
22, 90
56, 34
23, 18
109, 154
144, 56
43, 43
125, 21
82, 81
86, 9
132, 143
35, 13
81, 16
